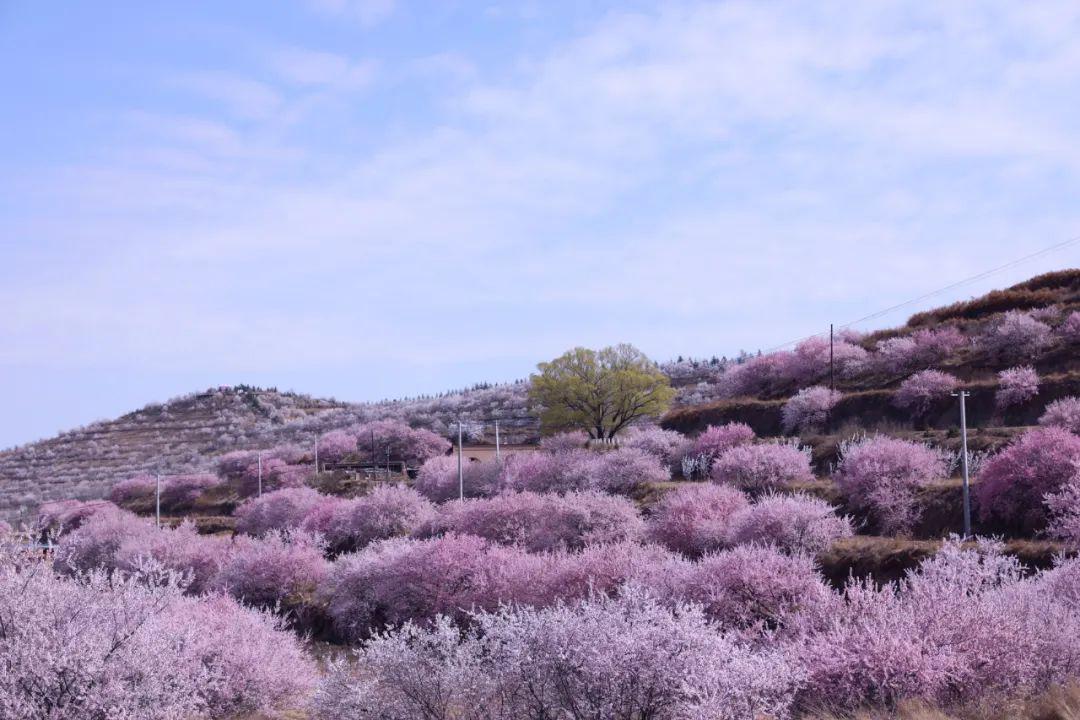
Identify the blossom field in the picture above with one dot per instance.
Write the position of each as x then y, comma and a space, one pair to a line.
686, 569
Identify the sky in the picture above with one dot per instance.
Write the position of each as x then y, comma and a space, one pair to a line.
364, 199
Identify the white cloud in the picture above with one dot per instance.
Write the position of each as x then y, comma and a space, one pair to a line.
314, 68
365, 12
243, 97
444, 65
743, 170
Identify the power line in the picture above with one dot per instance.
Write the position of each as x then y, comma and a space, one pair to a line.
934, 293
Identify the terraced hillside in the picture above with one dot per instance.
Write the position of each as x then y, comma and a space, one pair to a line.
1033, 324
189, 432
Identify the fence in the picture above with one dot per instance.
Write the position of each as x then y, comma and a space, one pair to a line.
393, 470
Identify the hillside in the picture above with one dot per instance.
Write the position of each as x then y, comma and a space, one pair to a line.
189, 432
1034, 323
767, 536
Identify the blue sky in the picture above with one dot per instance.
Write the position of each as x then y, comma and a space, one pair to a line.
371, 198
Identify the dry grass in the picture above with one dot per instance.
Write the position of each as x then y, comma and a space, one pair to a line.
651, 493
1061, 703
886, 559
1068, 281
883, 559
206, 524
993, 302
905, 711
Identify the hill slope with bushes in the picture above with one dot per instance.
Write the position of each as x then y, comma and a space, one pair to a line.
902, 377
188, 434
1034, 323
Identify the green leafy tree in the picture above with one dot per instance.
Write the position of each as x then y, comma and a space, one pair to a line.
600, 392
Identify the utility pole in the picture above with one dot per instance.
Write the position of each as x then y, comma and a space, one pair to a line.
374, 457
498, 455
460, 474
260, 474
963, 395
316, 454
387, 462
832, 373
157, 499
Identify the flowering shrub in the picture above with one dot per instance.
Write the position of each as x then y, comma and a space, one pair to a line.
564, 441
763, 467
180, 492
387, 511
850, 335
64, 516
276, 510
934, 346
700, 452
195, 558
541, 522
273, 474
116, 539
895, 355
113, 647
923, 390
809, 408
336, 446
290, 454
625, 470
95, 542
921, 350
695, 519
748, 588
759, 376
411, 580
626, 657
283, 466
1060, 584
964, 628
1016, 386
1016, 335
597, 569
715, 439
879, 476
795, 523
133, 488
784, 372
276, 569
618, 471
1047, 313
413, 446
437, 479
400, 580
810, 359
232, 465
543, 472
1014, 482
1063, 413
328, 520
667, 445
1069, 330
279, 474
1063, 508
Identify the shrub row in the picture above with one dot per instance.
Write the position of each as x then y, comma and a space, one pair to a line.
114, 646
966, 632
